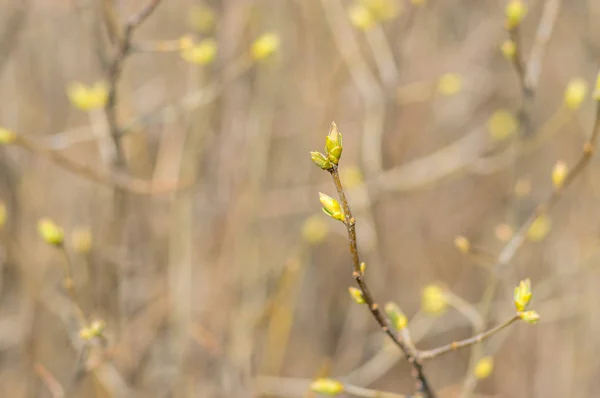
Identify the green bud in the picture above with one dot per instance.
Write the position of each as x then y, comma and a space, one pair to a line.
397, 317
97, 328
321, 160
515, 12
327, 387
522, 295
530, 316
356, 295
7, 136
331, 207
51, 232
333, 144
363, 267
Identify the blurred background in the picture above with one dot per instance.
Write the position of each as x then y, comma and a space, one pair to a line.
190, 208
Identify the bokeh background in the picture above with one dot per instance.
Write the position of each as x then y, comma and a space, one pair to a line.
232, 283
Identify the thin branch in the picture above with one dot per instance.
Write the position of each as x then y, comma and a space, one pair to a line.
49, 381
509, 251
291, 387
115, 71
359, 277
368, 393
133, 185
542, 37
456, 345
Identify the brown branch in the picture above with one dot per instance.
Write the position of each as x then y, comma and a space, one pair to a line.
542, 37
359, 277
517, 61
456, 345
132, 185
115, 70
510, 249
49, 381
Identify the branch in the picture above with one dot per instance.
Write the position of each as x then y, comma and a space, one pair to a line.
115, 69
509, 251
359, 277
478, 338
132, 185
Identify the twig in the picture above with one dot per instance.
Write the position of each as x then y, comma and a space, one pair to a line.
509, 251
359, 277
115, 70
50, 381
133, 185
368, 393
291, 387
70, 284
544, 32
456, 345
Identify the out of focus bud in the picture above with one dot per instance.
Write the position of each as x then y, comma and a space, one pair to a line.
87, 98
314, 230
327, 387
383, 10
509, 49
515, 12
351, 176
331, 207
81, 240
397, 317
95, 329
484, 368
360, 16
202, 18
502, 124
462, 244
265, 46
504, 232
356, 295
522, 295
363, 267
202, 53
50, 232
321, 160
530, 316
559, 174
539, 228
575, 93
7, 136
186, 42
2, 214
449, 84
433, 300
333, 144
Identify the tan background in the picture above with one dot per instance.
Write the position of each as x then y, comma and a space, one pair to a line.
207, 291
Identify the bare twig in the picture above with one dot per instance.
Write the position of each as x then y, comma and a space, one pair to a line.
544, 32
291, 387
115, 69
50, 381
359, 277
509, 251
133, 185
69, 285
478, 338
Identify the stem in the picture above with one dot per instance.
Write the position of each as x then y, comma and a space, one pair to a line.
368, 393
359, 277
456, 345
70, 285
